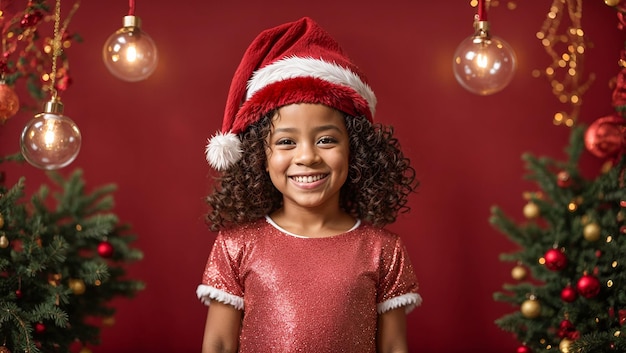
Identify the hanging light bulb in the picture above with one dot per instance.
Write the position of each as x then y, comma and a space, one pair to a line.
484, 64
129, 53
50, 140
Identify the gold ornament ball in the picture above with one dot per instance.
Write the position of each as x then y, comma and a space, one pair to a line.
54, 279
612, 2
4, 349
531, 308
108, 321
4, 243
85, 350
591, 232
77, 286
1, 221
519, 272
564, 345
531, 210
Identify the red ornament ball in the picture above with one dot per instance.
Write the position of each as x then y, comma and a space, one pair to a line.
523, 349
105, 249
622, 316
563, 179
555, 259
18, 293
40, 327
9, 103
569, 294
604, 138
588, 286
567, 330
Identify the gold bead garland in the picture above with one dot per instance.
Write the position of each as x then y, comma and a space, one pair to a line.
567, 50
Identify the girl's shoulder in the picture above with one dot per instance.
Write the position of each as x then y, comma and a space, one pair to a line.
244, 230
369, 230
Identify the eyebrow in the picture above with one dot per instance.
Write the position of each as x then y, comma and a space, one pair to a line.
320, 128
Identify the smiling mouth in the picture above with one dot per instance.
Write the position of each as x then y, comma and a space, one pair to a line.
308, 178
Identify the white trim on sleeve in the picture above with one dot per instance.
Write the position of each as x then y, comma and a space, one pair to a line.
207, 293
410, 301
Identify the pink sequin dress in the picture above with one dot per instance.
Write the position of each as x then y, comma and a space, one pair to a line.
309, 295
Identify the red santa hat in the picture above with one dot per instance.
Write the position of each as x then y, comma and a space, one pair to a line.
296, 62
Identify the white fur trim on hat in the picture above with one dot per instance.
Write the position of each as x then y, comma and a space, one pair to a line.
223, 150
291, 67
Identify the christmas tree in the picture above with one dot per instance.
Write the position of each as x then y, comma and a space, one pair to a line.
570, 294
60, 267
62, 250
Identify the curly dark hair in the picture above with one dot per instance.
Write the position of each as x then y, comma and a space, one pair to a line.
380, 178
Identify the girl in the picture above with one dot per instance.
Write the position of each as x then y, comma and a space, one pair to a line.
302, 262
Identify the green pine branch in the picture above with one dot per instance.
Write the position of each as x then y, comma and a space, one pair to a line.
56, 278
565, 213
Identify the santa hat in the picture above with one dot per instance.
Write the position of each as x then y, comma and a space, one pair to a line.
296, 62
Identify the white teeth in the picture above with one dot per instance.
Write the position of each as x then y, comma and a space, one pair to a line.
308, 179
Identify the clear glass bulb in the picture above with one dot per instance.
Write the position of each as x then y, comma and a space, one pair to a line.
129, 53
484, 64
50, 140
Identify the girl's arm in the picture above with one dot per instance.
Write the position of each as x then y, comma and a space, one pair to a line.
221, 332
392, 332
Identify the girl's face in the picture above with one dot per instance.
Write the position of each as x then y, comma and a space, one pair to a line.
307, 155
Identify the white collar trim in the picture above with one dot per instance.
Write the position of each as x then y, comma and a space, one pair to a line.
273, 224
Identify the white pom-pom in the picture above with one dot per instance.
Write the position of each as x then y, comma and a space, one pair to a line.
223, 150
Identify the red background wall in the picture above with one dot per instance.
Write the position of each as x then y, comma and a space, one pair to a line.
149, 139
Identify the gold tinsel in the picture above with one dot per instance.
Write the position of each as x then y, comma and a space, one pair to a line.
564, 40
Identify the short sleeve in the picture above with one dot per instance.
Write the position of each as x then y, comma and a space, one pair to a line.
220, 279
398, 284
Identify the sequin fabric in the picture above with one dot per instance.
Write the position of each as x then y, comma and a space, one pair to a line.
309, 295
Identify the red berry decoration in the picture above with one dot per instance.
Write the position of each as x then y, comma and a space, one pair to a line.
105, 249
622, 316
569, 294
40, 328
31, 19
523, 349
555, 259
588, 286
563, 179
567, 330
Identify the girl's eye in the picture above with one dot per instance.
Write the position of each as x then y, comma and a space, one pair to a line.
284, 142
327, 140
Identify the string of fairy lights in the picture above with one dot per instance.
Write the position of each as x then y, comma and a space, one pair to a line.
565, 42
51, 140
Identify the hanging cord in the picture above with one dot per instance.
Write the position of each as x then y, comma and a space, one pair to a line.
56, 47
482, 11
131, 7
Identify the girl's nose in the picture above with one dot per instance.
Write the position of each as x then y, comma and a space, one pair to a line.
306, 154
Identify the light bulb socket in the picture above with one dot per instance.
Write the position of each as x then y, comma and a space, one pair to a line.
132, 21
53, 106
481, 31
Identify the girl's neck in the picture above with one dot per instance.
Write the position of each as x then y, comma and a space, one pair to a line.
313, 224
